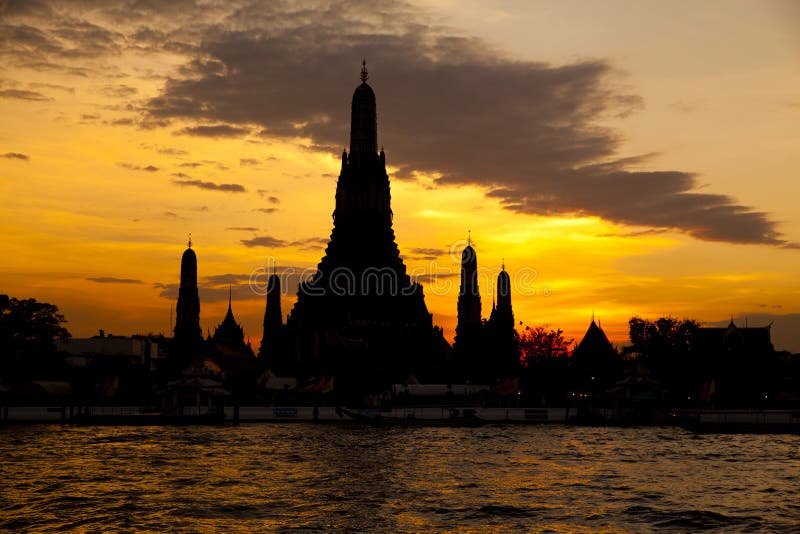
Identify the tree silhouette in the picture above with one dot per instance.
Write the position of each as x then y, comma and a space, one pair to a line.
544, 354
28, 330
666, 346
540, 344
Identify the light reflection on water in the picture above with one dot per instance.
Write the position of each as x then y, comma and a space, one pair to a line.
350, 478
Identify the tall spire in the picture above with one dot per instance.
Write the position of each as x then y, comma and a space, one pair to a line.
363, 120
273, 319
504, 290
230, 297
469, 300
187, 312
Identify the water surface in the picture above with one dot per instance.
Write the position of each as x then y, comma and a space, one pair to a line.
309, 477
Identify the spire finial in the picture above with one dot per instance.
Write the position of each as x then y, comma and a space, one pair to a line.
592, 315
230, 296
364, 73
504, 264
469, 237
190, 240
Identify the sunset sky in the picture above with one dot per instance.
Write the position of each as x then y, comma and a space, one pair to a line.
624, 157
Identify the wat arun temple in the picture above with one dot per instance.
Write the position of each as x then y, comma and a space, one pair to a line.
360, 318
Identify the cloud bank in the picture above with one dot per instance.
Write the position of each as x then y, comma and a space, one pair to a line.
449, 105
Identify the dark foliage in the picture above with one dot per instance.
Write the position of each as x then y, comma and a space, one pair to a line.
28, 330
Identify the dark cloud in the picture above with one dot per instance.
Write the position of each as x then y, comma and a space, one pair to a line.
272, 199
530, 133
124, 121
424, 253
248, 161
266, 210
57, 87
112, 280
16, 155
62, 38
118, 91
230, 188
23, 94
46, 66
310, 243
432, 278
242, 228
224, 279
636, 233
133, 167
428, 251
217, 130
171, 151
264, 241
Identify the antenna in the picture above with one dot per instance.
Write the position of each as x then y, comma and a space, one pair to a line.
190, 240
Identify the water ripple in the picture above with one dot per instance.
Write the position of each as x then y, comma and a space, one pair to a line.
349, 478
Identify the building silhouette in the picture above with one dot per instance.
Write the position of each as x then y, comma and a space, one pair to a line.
272, 347
360, 317
469, 298
595, 362
188, 336
503, 338
739, 363
230, 333
470, 337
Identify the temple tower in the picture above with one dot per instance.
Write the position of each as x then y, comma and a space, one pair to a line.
187, 320
273, 321
360, 317
469, 298
470, 336
503, 338
503, 314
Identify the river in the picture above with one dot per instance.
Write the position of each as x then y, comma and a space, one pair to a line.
306, 477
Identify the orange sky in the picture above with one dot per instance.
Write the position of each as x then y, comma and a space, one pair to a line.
95, 219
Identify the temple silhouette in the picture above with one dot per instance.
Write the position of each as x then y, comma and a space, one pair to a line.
360, 334
360, 319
